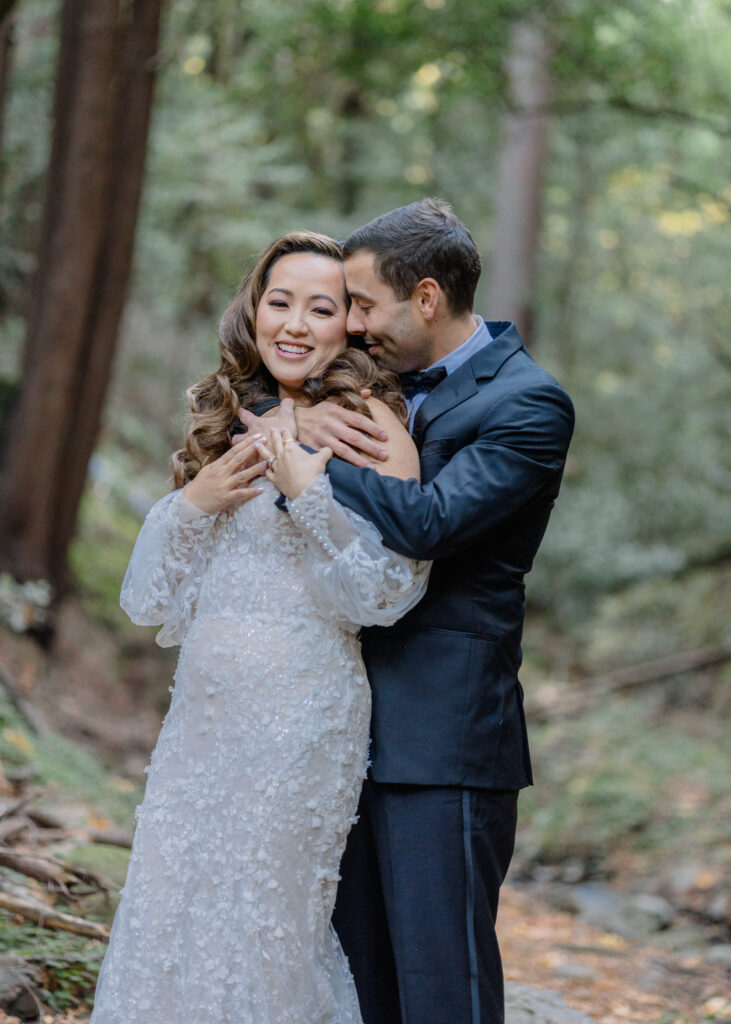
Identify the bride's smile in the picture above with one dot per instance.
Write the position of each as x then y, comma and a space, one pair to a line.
300, 321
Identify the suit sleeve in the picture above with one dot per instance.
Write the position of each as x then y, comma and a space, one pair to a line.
518, 454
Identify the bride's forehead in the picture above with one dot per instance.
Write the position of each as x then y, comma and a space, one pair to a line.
305, 269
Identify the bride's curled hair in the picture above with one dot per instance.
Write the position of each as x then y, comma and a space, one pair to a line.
242, 380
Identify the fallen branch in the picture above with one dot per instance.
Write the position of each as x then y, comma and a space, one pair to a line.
46, 917
554, 700
110, 837
24, 708
106, 837
13, 826
45, 819
662, 668
50, 870
11, 807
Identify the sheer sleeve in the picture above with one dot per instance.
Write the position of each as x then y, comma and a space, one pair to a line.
353, 577
162, 581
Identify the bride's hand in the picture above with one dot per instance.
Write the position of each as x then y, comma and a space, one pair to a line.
289, 467
227, 479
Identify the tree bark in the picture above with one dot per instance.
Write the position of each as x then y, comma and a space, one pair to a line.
7, 41
521, 163
351, 110
132, 120
104, 83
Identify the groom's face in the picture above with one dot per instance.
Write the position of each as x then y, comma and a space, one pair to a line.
390, 327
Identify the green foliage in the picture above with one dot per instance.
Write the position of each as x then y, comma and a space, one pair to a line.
108, 528
70, 962
65, 770
322, 115
625, 776
108, 861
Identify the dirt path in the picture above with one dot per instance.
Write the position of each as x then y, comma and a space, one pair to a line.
610, 979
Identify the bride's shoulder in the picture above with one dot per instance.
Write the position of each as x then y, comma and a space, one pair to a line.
403, 457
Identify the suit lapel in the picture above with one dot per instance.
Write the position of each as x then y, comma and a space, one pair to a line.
462, 384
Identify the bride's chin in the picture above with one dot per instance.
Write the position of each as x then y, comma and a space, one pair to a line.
292, 383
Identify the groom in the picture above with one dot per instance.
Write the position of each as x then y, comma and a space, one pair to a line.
421, 875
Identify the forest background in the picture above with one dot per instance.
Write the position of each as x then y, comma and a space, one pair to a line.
587, 148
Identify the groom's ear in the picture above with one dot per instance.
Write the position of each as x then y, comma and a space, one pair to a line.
426, 295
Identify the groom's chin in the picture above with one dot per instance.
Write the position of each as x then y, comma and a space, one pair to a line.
378, 353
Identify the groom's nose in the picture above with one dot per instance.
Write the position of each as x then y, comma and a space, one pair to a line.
354, 324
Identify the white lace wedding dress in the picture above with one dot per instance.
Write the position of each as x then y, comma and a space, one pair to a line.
254, 782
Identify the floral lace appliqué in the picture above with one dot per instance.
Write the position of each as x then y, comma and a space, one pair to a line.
254, 782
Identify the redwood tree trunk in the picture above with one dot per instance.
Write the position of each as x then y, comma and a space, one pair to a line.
103, 96
6, 50
521, 162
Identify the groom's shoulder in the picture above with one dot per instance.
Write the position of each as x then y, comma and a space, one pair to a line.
513, 387
505, 364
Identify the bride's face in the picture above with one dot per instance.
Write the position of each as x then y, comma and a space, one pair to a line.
300, 320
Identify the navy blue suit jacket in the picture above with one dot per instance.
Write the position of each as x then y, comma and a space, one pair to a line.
492, 438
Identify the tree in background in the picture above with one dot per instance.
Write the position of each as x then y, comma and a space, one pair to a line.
104, 84
325, 113
6, 47
520, 173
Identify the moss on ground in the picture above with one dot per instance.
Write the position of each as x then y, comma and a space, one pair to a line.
627, 774
68, 774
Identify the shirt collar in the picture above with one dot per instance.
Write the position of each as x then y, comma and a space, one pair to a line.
477, 340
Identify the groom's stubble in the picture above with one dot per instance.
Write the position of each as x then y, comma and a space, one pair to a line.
391, 328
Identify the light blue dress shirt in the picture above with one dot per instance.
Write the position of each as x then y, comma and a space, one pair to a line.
453, 360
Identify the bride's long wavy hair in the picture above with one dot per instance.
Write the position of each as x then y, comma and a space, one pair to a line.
242, 380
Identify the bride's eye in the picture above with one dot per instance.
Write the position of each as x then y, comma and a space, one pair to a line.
278, 303
323, 311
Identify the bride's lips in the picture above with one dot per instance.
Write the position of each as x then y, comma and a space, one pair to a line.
292, 350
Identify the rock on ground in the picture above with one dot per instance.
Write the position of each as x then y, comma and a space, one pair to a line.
17, 992
525, 1004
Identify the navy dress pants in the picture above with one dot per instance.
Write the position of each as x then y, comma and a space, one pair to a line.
417, 902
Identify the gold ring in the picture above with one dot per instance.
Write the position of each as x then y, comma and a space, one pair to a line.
289, 440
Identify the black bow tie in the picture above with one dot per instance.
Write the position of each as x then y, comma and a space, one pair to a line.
422, 380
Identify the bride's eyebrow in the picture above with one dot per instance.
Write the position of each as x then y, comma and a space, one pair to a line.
288, 291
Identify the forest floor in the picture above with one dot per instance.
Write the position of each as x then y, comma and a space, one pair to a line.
612, 980
106, 693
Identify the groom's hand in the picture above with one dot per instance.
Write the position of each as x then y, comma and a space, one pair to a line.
283, 418
353, 437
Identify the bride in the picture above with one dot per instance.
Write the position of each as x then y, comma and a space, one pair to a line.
254, 782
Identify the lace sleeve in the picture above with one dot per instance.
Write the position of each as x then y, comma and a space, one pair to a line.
352, 576
162, 581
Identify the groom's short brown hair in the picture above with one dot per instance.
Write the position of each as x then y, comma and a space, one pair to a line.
424, 239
